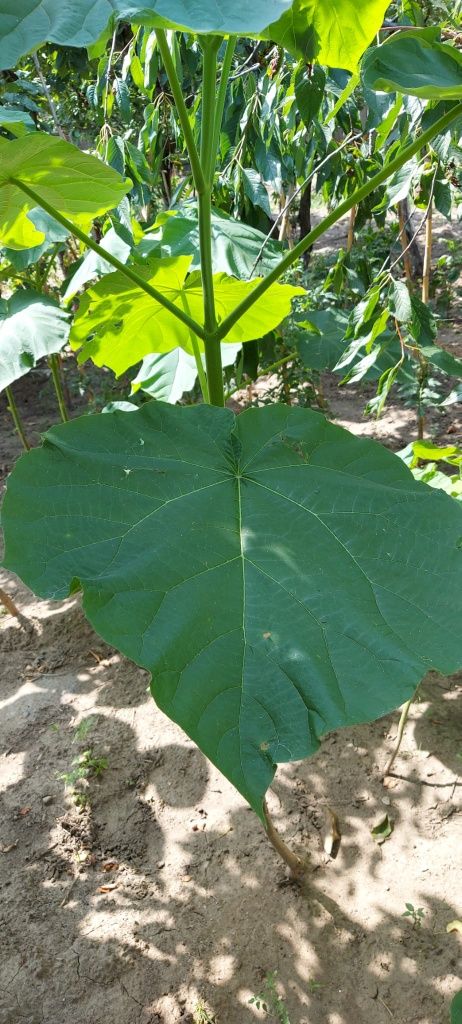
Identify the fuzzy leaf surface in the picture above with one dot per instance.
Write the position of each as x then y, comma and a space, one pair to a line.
278, 577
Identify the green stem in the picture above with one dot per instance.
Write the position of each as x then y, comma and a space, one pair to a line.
16, 418
42, 275
200, 370
53, 363
109, 258
221, 98
264, 372
212, 346
353, 200
182, 109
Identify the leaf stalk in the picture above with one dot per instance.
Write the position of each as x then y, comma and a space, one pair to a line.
109, 258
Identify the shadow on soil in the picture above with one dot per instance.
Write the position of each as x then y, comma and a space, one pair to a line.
163, 891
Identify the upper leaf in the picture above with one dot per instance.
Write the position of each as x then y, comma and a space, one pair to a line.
118, 324
73, 183
335, 33
413, 62
279, 577
31, 326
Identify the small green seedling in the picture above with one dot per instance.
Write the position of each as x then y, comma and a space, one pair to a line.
84, 767
416, 914
82, 730
269, 1000
202, 1015
313, 985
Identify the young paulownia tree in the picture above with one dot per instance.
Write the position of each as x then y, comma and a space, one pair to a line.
278, 577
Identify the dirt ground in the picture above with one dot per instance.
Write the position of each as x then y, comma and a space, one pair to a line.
158, 893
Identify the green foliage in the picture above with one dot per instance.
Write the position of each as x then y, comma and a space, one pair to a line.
166, 377
84, 768
270, 1001
417, 915
456, 1009
278, 577
31, 326
336, 33
117, 325
58, 174
214, 562
202, 1015
237, 248
414, 63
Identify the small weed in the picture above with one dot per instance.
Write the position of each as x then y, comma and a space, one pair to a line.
416, 914
202, 1015
83, 768
269, 1000
313, 985
82, 730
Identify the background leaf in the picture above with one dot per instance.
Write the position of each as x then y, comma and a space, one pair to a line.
456, 1009
336, 33
235, 246
73, 183
31, 326
166, 377
414, 63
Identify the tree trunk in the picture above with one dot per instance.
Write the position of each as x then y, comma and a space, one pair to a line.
414, 251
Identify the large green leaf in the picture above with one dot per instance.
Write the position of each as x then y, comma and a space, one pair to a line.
17, 122
31, 326
456, 1009
279, 577
320, 337
73, 183
333, 32
414, 63
235, 246
118, 324
168, 375
336, 32
51, 231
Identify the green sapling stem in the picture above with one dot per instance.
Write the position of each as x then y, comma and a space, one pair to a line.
53, 363
16, 418
109, 258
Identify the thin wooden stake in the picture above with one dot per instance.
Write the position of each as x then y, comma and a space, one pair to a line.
351, 228
404, 243
427, 271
